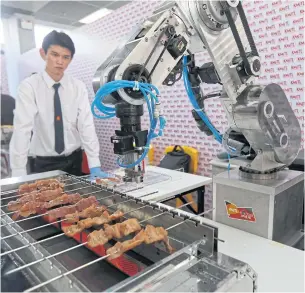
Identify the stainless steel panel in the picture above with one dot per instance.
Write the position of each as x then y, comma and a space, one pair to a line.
288, 209
44, 270
277, 204
189, 273
243, 198
195, 260
286, 178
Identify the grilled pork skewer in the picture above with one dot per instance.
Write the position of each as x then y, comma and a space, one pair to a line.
120, 247
150, 235
39, 185
64, 199
70, 231
78, 207
33, 207
119, 230
38, 196
90, 212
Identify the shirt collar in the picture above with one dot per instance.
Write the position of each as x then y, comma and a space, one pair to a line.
50, 82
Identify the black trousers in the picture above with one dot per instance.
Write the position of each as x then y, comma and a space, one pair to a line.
71, 164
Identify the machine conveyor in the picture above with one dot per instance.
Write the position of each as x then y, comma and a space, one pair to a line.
52, 261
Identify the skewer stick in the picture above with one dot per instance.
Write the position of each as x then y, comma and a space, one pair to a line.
60, 181
29, 218
37, 216
30, 244
15, 190
96, 260
55, 222
58, 253
67, 273
20, 196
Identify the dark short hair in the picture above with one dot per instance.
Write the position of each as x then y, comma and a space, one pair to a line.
60, 39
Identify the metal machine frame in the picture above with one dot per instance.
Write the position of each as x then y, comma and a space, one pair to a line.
263, 135
47, 258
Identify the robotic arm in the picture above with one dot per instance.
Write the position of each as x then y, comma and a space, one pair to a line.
263, 135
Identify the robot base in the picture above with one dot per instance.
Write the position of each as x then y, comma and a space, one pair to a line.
268, 208
251, 174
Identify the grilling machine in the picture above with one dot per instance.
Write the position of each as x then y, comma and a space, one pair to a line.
263, 136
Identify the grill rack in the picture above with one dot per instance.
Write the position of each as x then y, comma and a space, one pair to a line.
114, 193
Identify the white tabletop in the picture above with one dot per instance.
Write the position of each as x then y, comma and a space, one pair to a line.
178, 182
280, 268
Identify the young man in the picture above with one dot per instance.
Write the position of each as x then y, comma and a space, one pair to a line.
56, 108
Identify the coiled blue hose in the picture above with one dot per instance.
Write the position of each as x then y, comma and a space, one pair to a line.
152, 104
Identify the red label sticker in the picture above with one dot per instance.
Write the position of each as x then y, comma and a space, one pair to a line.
238, 213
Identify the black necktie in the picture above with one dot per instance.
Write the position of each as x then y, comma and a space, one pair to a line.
58, 122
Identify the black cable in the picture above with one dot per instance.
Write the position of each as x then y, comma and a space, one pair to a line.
160, 56
235, 33
151, 53
247, 29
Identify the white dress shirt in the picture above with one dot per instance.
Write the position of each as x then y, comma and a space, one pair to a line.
35, 111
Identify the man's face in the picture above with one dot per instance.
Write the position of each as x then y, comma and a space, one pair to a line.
57, 59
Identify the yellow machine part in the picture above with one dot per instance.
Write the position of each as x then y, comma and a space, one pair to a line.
151, 155
194, 154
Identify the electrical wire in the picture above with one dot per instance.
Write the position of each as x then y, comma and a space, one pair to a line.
150, 94
194, 103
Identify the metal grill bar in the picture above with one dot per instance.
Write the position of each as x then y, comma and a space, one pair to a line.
31, 244
37, 216
25, 246
55, 222
174, 226
67, 273
96, 260
61, 181
44, 258
47, 212
61, 252
94, 185
30, 192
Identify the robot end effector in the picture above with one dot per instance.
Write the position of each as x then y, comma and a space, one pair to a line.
264, 133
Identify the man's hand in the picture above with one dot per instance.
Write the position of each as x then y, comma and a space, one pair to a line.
97, 172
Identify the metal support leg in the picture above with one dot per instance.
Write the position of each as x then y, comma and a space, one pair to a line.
200, 199
185, 202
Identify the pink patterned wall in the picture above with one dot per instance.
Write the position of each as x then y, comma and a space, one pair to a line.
278, 29
4, 80
102, 37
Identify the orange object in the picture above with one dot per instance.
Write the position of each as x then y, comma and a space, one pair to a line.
58, 118
151, 154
